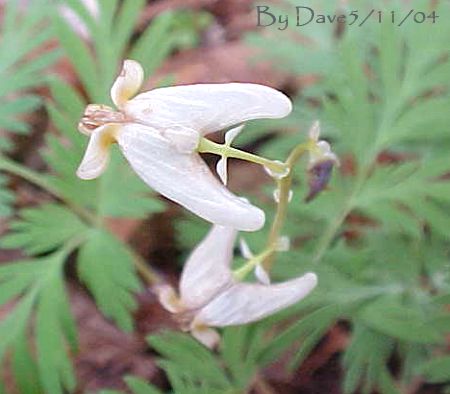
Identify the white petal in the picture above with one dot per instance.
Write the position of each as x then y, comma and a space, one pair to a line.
184, 140
222, 170
262, 275
168, 298
127, 83
96, 157
185, 178
245, 249
314, 131
230, 135
321, 153
276, 195
276, 174
207, 270
207, 336
244, 303
208, 107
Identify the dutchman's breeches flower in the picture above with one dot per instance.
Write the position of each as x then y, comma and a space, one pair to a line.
159, 132
211, 296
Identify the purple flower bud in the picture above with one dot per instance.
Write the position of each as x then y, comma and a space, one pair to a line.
319, 176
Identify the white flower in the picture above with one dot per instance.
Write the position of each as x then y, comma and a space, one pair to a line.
211, 297
158, 133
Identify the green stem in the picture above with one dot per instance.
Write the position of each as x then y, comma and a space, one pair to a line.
16, 169
147, 273
330, 232
208, 146
284, 188
334, 225
41, 181
243, 271
388, 118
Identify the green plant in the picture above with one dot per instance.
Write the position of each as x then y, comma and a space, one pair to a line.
20, 71
74, 222
379, 239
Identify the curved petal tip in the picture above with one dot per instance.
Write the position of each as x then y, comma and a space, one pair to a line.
96, 157
127, 83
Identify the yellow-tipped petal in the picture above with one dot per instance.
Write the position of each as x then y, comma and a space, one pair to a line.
207, 336
96, 157
127, 83
168, 298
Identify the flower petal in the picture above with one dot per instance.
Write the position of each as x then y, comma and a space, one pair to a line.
222, 169
314, 131
244, 302
207, 270
185, 178
208, 107
127, 83
245, 250
207, 336
262, 275
96, 156
231, 134
222, 164
168, 298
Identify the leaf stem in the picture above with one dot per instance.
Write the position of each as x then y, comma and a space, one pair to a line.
147, 273
334, 225
41, 181
243, 271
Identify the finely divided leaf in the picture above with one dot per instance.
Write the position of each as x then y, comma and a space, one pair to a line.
106, 266
43, 229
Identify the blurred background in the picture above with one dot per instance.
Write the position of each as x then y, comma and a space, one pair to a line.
77, 310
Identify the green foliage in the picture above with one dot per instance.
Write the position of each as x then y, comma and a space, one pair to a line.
437, 370
20, 68
192, 368
40, 284
78, 219
106, 266
43, 229
379, 97
20, 71
378, 239
380, 233
136, 386
366, 361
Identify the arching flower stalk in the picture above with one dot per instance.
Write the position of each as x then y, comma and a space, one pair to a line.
211, 296
160, 132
